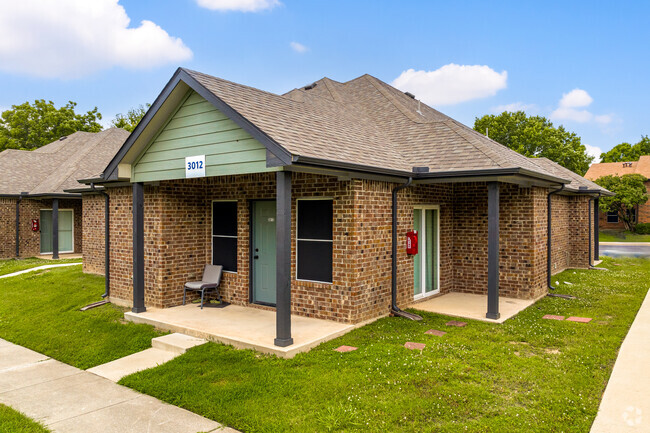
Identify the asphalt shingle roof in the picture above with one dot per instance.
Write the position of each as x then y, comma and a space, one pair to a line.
56, 166
642, 167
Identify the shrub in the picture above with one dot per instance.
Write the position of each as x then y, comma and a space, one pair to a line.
642, 228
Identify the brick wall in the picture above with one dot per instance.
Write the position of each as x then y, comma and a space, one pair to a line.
178, 244
93, 233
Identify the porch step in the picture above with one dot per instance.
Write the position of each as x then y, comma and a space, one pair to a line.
163, 349
176, 342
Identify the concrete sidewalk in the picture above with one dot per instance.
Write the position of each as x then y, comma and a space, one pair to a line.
39, 268
626, 402
69, 400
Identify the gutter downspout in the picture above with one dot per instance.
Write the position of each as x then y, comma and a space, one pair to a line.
20, 198
591, 200
107, 240
393, 306
549, 236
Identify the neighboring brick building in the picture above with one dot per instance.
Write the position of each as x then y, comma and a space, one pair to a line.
34, 183
293, 195
611, 221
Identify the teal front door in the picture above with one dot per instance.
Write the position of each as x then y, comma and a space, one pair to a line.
66, 231
263, 251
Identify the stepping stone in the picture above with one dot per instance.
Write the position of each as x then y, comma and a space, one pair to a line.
345, 349
579, 319
435, 332
414, 346
456, 323
552, 317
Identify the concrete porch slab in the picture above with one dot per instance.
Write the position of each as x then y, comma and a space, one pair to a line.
471, 306
241, 327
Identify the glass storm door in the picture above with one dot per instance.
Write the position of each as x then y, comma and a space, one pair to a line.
426, 263
263, 251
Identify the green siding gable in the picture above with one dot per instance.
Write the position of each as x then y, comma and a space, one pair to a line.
198, 128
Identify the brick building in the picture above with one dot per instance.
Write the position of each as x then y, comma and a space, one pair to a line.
37, 215
610, 220
306, 200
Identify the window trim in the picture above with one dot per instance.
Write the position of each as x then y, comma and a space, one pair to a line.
607, 216
212, 235
424, 294
331, 283
39, 230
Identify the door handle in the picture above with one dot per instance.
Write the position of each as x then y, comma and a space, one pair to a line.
256, 257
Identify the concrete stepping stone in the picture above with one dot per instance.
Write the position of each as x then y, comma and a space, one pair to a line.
579, 319
343, 349
414, 346
553, 317
435, 332
176, 342
456, 323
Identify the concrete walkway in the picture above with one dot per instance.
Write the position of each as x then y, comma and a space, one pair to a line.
69, 400
38, 268
626, 402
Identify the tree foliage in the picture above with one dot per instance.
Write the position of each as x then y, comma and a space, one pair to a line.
535, 136
630, 192
628, 152
131, 119
30, 126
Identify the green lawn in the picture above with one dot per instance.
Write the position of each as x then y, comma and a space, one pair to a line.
12, 421
14, 265
40, 310
528, 374
614, 236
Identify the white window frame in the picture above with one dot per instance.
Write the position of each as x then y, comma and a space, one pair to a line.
39, 231
422, 250
314, 240
212, 235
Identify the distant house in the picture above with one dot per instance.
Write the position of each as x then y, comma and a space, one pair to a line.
641, 213
33, 196
307, 199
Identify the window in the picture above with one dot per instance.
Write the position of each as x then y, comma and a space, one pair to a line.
314, 244
612, 217
426, 263
224, 234
633, 215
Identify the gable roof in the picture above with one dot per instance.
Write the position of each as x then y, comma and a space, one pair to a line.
642, 167
577, 183
363, 124
55, 167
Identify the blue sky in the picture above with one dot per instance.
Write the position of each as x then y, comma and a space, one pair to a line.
583, 64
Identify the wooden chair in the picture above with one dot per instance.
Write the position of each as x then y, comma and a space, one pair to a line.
210, 281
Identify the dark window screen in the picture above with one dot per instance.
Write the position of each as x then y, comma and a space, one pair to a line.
315, 219
224, 235
612, 217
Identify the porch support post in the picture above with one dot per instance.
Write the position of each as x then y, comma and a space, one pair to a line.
493, 251
283, 259
55, 228
138, 248
596, 232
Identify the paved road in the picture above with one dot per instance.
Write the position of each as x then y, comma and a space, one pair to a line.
629, 249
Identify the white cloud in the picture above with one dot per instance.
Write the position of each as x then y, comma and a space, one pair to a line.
238, 5
298, 47
572, 107
72, 38
515, 106
594, 151
452, 84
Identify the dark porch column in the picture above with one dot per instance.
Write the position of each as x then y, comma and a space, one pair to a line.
283, 260
493, 251
596, 233
138, 248
55, 228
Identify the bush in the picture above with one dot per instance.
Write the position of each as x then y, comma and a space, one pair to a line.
642, 229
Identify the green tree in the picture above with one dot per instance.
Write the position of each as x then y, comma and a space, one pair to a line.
628, 152
630, 192
30, 126
132, 118
535, 136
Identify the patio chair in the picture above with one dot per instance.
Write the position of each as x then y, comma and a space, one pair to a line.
210, 281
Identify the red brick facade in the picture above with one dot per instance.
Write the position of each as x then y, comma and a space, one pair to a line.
30, 241
643, 215
178, 233
93, 233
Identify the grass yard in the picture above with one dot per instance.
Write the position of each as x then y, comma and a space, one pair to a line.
527, 374
615, 236
12, 421
14, 265
40, 310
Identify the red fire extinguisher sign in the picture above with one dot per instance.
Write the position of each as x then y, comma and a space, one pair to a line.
412, 242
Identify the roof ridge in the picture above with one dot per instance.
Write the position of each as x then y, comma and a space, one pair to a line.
407, 113
331, 89
233, 83
457, 124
